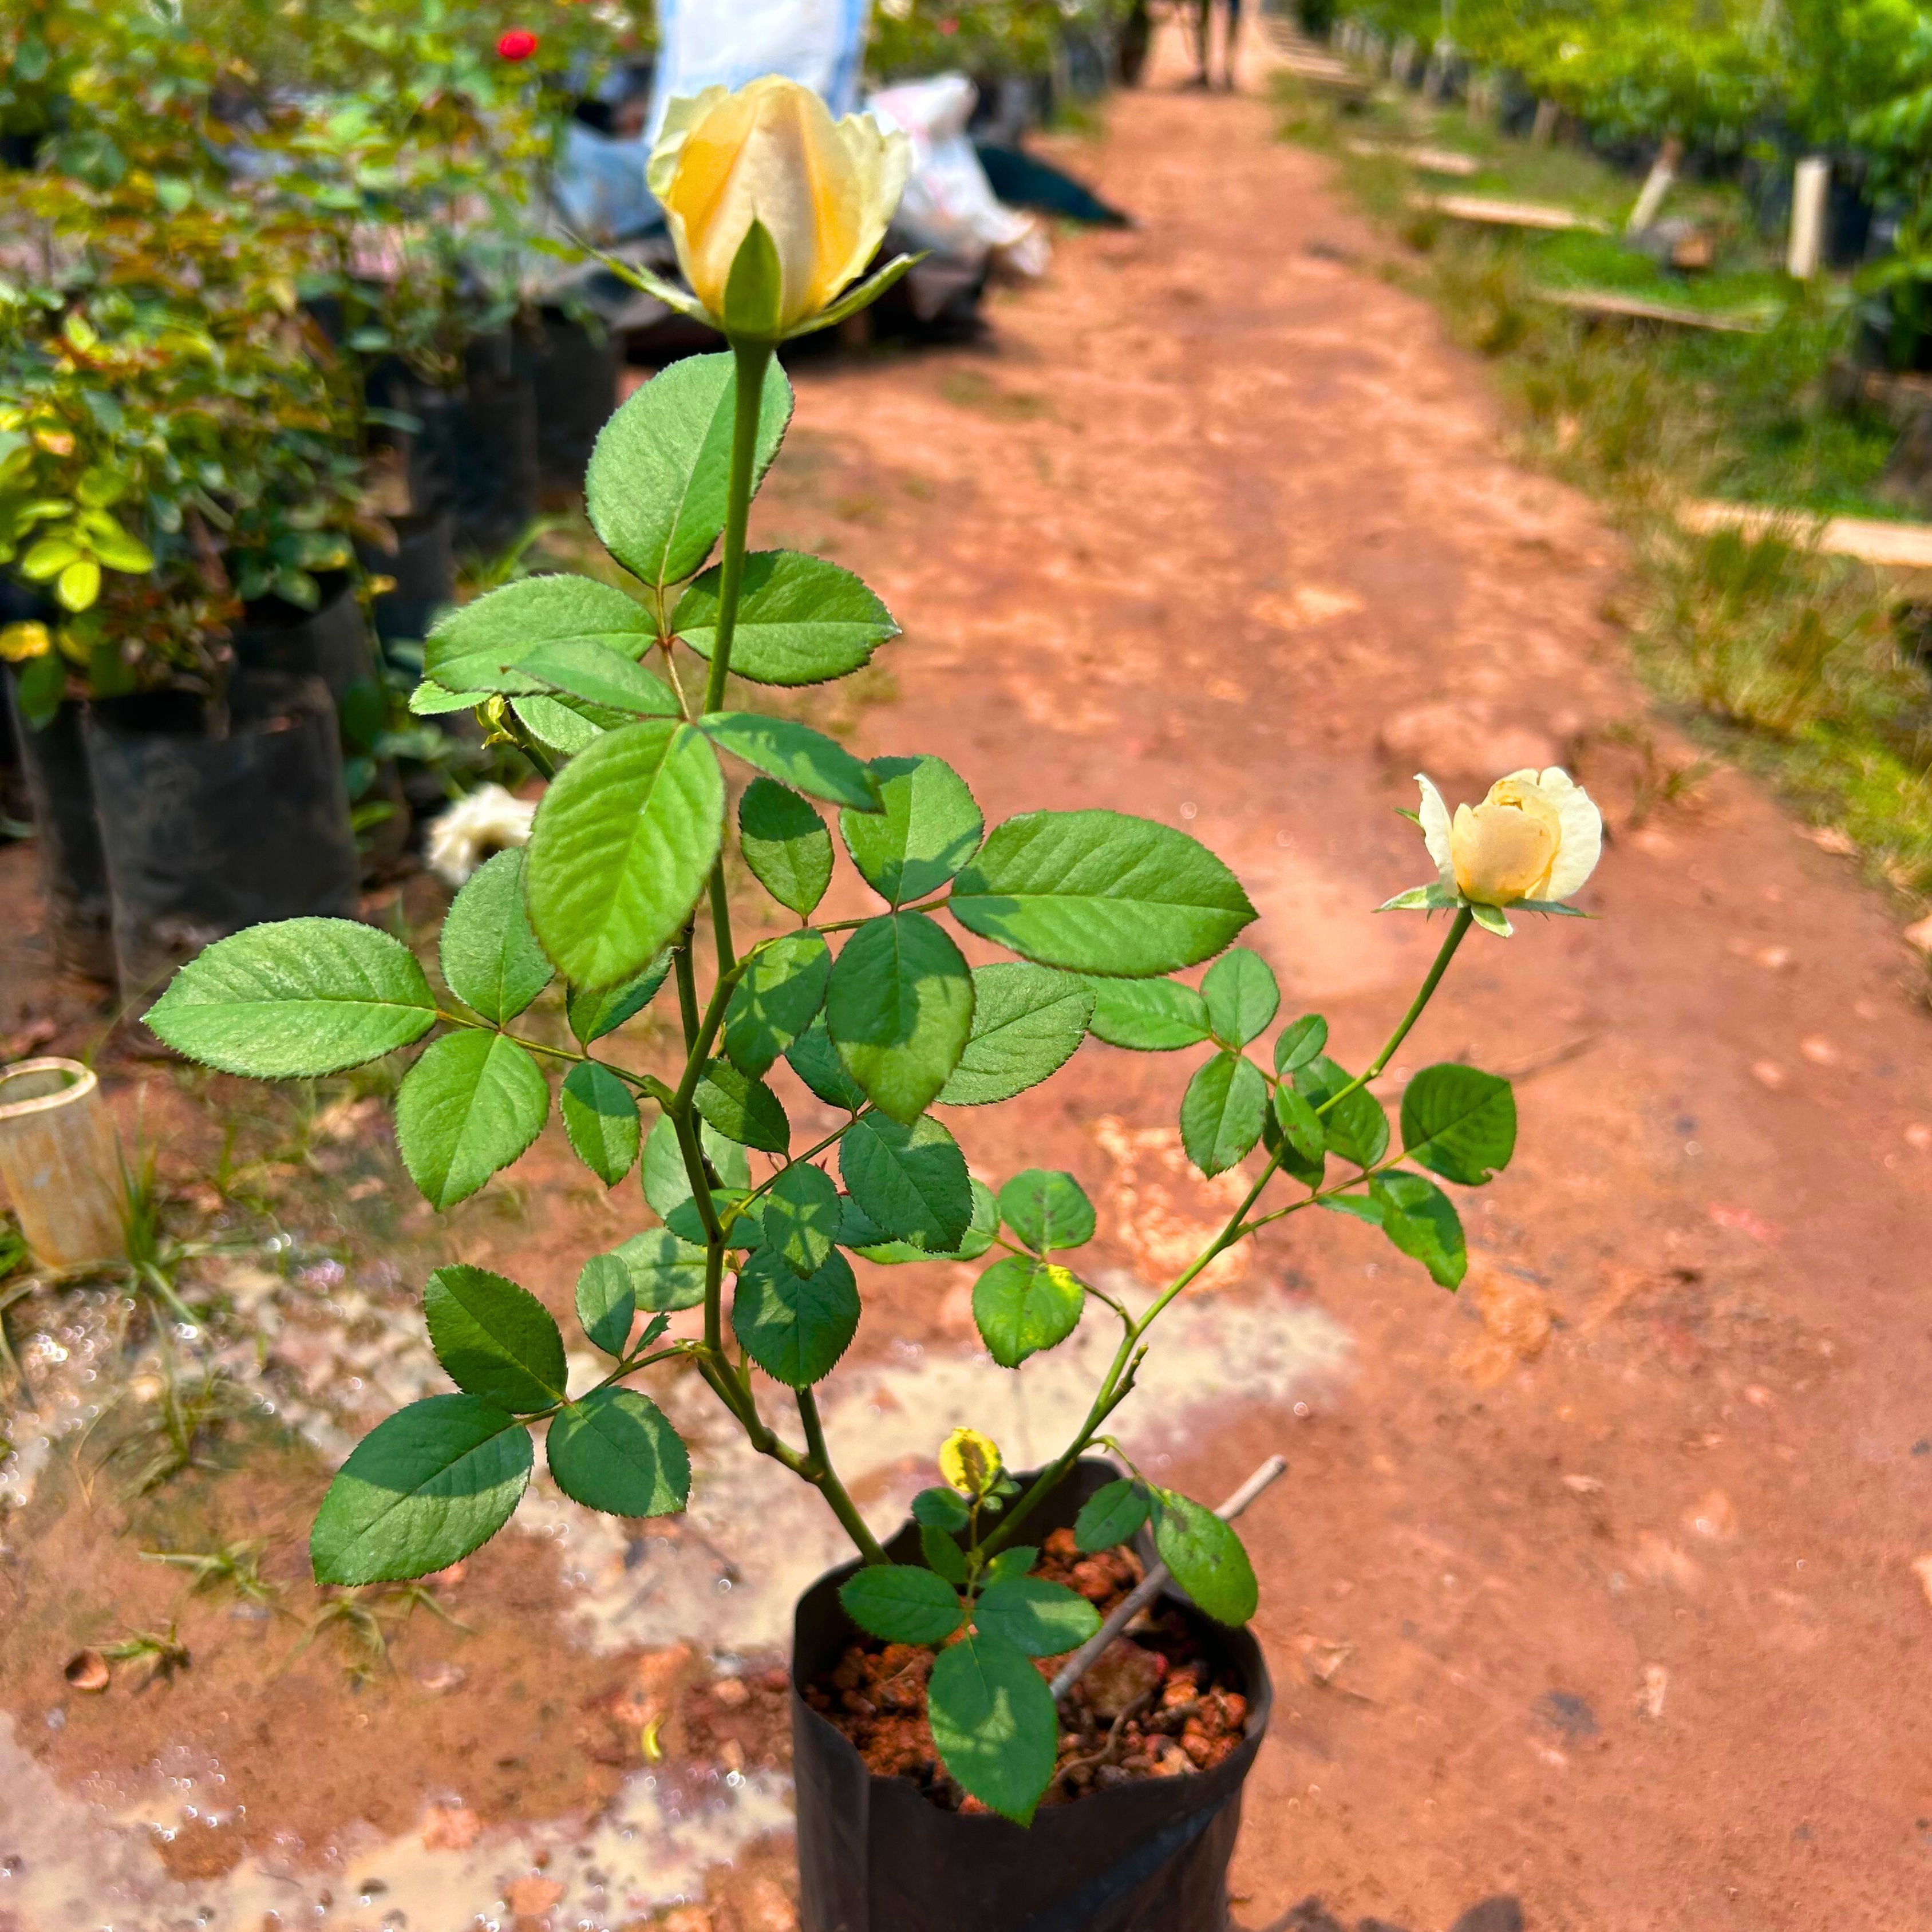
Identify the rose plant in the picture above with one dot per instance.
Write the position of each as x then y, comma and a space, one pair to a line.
775, 210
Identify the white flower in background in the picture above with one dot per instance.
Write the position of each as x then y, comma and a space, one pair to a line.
487, 820
1532, 843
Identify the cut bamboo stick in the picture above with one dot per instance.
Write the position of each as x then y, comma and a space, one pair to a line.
1156, 1580
1491, 212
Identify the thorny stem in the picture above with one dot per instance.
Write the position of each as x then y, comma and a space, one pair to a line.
1120, 1378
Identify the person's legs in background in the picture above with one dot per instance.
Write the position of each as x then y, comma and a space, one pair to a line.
1233, 35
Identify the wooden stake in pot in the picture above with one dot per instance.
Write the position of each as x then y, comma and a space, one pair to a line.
57, 1161
1156, 1580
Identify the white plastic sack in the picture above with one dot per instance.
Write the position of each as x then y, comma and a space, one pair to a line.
948, 205
703, 43
599, 187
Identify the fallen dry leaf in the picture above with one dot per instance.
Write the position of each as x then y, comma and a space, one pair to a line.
87, 1670
1516, 1326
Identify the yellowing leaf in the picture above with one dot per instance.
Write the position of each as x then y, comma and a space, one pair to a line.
969, 1462
19, 642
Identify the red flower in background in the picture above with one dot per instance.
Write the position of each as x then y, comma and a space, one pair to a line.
517, 44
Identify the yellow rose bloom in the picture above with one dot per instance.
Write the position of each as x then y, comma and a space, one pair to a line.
823, 190
1536, 837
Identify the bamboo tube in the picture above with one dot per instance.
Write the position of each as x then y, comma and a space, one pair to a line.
57, 1161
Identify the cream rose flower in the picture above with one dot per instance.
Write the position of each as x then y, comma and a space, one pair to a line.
1532, 842
771, 153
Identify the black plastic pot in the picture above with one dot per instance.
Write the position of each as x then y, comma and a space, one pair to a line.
493, 480
874, 1855
206, 834
423, 564
67, 840
575, 377
331, 642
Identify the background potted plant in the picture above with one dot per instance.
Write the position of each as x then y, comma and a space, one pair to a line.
176, 425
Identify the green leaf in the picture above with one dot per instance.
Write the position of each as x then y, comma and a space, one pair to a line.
545, 632
493, 1339
801, 620
1150, 1015
1022, 1306
565, 722
742, 1108
299, 997
740, 1230
899, 1008
902, 1604
429, 700
615, 1451
1206, 1557
786, 844
594, 1014
421, 1490
469, 1106
1419, 1218
1459, 1121
857, 1232
941, 1508
42, 687
800, 1218
1299, 1124
910, 1181
1300, 1042
656, 484
994, 1723
795, 1329
1312, 1173
804, 759
1015, 1560
815, 1061
489, 956
1492, 918
1111, 1516
1097, 891
1027, 1022
1042, 1619
1221, 1112
1047, 1209
1360, 1207
942, 1554
601, 1117
779, 996
1242, 996
1356, 1126
667, 1185
621, 848
928, 829
607, 1302
666, 1274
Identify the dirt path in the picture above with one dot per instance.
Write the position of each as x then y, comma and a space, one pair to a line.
1220, 530
1592, 1587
